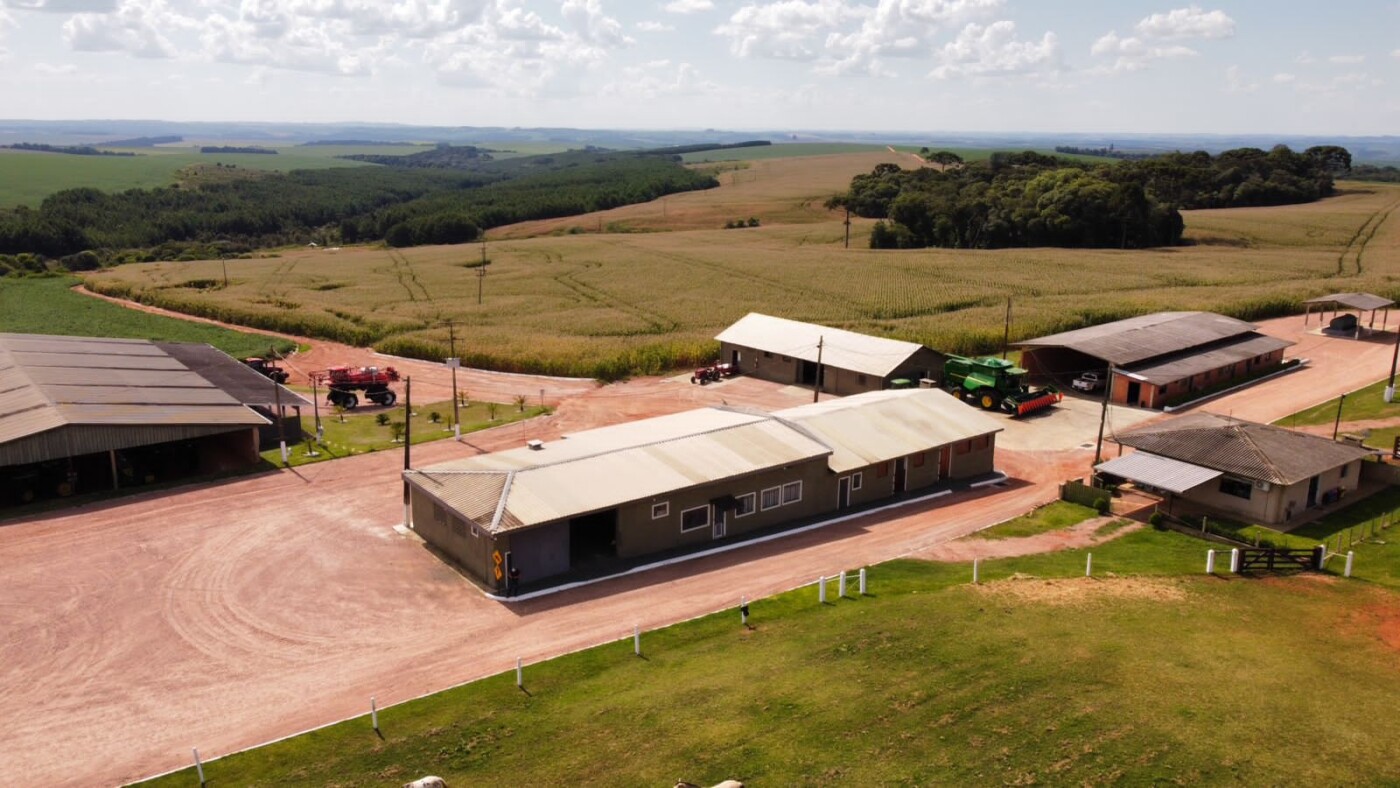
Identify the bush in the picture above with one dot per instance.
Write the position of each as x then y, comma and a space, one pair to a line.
382, 419
1101, 506
1157, 520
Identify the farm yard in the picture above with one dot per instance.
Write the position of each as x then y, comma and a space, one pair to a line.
617, 303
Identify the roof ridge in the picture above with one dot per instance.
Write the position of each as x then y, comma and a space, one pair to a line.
20, 371
556, 463
501, 504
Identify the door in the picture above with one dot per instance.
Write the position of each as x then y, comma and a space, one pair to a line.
1312, 491
1134, 392
718, 528
901, 474
843, 492
945, 462
734, 359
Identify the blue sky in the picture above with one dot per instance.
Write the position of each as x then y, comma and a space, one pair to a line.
908, 65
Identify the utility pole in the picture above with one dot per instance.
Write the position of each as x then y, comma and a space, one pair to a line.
1006, 338
407, 442
1103, 416
481, 272
316, 409
281, 420
1390, 390
454, 363
223, 261
848, 227
817, 384
1337, 425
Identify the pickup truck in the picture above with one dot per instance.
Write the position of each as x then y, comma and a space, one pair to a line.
1089, 381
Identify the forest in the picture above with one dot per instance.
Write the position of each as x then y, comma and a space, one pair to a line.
1031, 199
404, 206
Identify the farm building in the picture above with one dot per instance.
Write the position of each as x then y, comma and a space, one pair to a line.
79, 414
600, 497
1159, 359
1255, 472
1347, 322
790, 351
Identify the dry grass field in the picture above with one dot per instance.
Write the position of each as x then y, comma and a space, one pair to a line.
573, 300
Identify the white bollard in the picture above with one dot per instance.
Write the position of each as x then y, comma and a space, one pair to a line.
841, 587
1210, 562
457, 431
862, 582
744, 610
1234, 560
637, 640
1089, 565
198, 767
285, 456
821, 590
373, 713
1389, 393
1351, 557
974, 571
519, 674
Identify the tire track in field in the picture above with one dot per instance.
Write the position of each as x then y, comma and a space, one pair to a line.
1375, 228
659, 323
1356, 245
412, 276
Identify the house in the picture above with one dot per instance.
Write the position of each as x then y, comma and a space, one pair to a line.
673, 483
1257, 473
790, 351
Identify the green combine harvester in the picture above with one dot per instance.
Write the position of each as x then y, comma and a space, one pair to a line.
995, 384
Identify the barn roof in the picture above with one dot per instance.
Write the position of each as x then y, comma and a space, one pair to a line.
112, 394
1224, 354
1261, 452
1362, 301
1145, 337
841, 349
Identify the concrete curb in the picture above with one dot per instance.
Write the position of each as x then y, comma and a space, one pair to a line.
1302, 364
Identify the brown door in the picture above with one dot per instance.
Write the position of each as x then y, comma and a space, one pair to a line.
945, 462
843, 492
901, 474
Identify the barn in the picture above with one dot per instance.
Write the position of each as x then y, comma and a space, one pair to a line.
596, 500
81, 414
1159, 359
790, 351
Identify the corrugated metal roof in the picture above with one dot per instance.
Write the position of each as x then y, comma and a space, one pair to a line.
1136, 339
881, 425
1362, 301
1233, 351
841, 349
1260, 452
242, 383
1163, 473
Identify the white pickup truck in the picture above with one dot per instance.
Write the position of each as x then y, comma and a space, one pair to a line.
1089, 381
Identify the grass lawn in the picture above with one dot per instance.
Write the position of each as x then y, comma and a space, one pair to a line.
47, 305
1361, 405
1050, 517
361, 432
928, 681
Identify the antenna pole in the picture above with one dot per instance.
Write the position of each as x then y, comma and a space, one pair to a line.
1006, 338
1103, 416
817, 383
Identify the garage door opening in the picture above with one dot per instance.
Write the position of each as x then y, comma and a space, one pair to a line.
592, 538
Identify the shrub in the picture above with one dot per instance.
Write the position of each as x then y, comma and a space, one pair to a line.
1157, 520
1101, 506
382, 419
435, 417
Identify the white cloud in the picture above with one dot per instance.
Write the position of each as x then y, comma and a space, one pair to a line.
787, 30
55, 70
1284, 78
1189, 22
658, 79
1305, 59
1235, 81
1133, 53
1395, 53
591, 24
689, 6
1346, 60
994, 50
65, 6
136, 27
648, 26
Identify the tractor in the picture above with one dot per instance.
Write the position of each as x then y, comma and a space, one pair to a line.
714, 373
342, 383
995, 384
267, 368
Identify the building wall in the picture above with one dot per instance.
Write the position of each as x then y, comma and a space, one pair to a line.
1280, 503
466, 543
835, 380
1154, 396
973, 457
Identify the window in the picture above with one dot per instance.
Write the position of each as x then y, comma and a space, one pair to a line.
659, 510
772, 498
856, 479
766, 354
1236, 487
786, 359
459, 528
1343, 474
746, 505
882, 470
860, 379
439, 514
792, 492
699, 517
919, 460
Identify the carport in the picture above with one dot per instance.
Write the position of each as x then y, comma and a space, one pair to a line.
1361, 302
1159, 474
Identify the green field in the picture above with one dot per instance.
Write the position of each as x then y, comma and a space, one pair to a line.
48, 305
1361, 405
1050, 517
784, 150
603, 304
928, 681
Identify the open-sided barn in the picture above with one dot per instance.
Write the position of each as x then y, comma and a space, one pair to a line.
790, 351
1157, 359
689, 479
81, 413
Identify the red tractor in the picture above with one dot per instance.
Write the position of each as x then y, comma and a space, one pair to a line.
714, 373
343, 382
267, 368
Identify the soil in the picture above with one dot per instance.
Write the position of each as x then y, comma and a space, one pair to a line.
1076, 536
1077, 591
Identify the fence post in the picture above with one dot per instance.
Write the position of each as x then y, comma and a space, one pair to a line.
862, 581
1351, 556
974, 571
744, 610
1203, 524
841, 586
1210, 562
821, 590
519, 674
198, 766
373, 714
1089, 565
636, 640
1234, 560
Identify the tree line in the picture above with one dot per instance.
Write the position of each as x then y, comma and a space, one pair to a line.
404, 206
72, 150
1032, 199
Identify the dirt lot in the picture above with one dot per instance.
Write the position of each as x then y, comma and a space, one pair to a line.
226, 615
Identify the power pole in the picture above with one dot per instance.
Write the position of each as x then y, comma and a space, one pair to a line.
481, 272
1337, 425
1006, 338
817, 384
281, 420
407, 442
1103, 417
1390, 390
848, 227
454, 363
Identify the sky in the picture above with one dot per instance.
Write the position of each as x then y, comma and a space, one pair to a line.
1091, 66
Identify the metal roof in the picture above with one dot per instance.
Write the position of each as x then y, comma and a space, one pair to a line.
1185, 365
841, 349
245, 385
1260, 452
1362, 301
55, 382
1136, 339
881, 425
1164, 473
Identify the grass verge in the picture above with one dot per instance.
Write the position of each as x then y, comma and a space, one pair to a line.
1050, 517
1361, 405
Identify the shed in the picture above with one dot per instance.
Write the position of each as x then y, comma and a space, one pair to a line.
1361, 302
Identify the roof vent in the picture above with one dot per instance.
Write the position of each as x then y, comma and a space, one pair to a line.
535, 445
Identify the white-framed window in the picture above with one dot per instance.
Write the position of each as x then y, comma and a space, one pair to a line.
659, 510
772, 498
792, 492
856, 479
698, 517
747, 504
